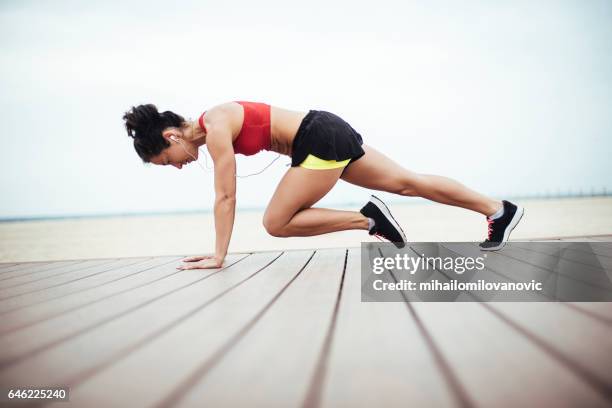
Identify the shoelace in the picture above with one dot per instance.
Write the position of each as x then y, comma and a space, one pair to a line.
489, 228
377, 235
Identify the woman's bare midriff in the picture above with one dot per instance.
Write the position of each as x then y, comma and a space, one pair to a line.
284, 124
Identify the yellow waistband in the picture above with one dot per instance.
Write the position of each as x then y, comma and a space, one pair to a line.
314, 163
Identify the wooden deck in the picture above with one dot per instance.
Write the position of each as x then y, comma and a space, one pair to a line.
287, 329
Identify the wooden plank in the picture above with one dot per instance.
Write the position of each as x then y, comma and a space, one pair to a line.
375, 347
85, 273
29, 342
590, 277
6, 265
492, 360
583, 239
50, 274
601, 310
509, 266
36, 307
34, 298
287, 340
17, 266
602, 244
104, 332
213, 325
35, 267
581, 254
582, 344
546, 324
597, 248
198, 337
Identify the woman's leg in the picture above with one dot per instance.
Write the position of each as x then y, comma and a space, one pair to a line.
376, 171
289, 213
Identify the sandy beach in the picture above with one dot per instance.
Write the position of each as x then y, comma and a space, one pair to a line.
189, 234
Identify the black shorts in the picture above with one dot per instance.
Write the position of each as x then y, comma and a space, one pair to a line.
326, 136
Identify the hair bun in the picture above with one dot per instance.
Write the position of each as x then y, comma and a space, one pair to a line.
145, 125
141, 118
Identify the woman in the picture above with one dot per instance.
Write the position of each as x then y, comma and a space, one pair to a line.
323, 149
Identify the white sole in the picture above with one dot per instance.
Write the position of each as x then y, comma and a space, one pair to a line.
513, 223
385, 210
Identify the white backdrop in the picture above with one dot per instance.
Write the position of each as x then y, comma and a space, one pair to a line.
510, 98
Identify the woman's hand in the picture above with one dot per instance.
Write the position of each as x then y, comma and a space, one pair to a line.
198, 258
201, 262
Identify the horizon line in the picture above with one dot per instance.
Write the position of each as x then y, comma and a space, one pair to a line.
205, 211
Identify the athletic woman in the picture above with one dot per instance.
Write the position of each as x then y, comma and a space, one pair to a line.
323, 148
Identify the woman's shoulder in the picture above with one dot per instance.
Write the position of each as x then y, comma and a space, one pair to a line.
226, 115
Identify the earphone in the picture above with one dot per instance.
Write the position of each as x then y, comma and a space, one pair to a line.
172, 137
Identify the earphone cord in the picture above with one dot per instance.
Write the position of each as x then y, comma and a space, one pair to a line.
208, 171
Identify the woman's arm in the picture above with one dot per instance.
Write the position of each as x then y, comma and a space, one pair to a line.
219, 143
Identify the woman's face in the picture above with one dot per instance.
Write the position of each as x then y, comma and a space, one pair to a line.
179, 153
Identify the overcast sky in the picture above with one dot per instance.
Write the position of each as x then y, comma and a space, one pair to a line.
510, 98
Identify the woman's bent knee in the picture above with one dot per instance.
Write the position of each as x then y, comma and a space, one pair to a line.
274, 228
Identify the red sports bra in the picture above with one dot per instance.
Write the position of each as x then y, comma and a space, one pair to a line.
255, 133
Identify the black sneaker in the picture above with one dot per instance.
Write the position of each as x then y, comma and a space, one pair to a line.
500, 228
384, 224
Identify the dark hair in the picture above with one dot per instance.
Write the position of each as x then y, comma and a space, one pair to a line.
145, 124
